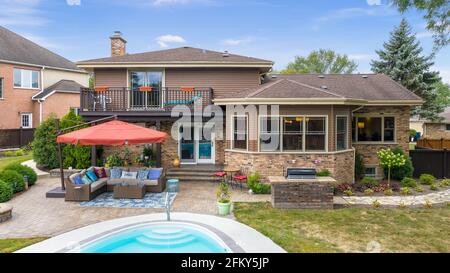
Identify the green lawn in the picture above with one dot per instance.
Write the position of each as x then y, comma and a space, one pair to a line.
350, 229
11, 245
4, 161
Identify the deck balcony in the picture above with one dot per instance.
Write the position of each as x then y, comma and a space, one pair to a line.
143, 99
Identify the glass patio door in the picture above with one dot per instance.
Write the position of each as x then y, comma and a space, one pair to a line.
205, 145
141, 99
196, 145
187, 144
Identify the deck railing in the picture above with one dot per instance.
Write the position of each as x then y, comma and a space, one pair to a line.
142, 99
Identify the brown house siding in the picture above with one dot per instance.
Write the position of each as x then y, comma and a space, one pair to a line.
111, 77
223, 81
435, 131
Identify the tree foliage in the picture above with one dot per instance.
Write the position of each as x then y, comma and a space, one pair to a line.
45, 150
402, 60
321, 61
76, 156
437, 13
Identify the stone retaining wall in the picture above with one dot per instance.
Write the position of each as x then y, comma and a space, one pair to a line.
5, 213
304, 195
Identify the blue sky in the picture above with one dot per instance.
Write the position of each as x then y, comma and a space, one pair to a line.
274, 30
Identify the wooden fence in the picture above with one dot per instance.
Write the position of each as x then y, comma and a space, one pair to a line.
434, 143
431, 161
15, 138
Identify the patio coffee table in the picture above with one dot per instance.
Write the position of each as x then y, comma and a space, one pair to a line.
129, 191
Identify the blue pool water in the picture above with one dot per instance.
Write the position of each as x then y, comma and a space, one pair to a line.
158, 238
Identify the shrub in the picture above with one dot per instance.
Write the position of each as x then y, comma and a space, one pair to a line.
343, 187
45, 150
418, 189
428, 204
388, 192
376, 204
114, 160
76, 156
5, 191
389, 160
14, 179
324, 172
370, 182
223, 193
400, 172
348, 192
381, 188
427, 179
444, 183
405, 191
368, 192
253, 183
402, 205
24, 171
433, 187
19, 153
9, 153
408, 182
359, 166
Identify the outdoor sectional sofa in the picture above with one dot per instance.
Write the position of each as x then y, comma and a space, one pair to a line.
87, 192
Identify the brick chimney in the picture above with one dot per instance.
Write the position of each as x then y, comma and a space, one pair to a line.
118, 44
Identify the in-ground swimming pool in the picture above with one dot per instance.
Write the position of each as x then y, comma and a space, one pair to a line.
160, 237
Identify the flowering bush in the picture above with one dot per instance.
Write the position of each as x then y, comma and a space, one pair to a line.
343, 187
389, 159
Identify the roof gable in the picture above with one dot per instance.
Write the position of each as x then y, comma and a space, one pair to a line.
65, 86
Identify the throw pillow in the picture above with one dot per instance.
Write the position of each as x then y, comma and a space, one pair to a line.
142, 174
86, 180
100, 172
129, 175
154, 174
91, 175
116, 173
77, 180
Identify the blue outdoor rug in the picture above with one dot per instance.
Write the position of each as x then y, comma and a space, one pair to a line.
150, 200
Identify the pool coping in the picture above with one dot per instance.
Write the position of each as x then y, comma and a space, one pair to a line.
239, 238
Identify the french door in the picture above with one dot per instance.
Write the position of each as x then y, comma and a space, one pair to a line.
140, 99
196, 144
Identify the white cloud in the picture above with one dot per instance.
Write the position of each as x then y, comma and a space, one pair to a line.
236, 42
424, 34
373, 2
73, 2
445, 75
165, 40
21, 13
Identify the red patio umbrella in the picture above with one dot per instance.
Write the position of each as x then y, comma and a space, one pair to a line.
113, 132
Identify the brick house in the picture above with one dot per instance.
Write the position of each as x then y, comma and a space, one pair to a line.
35, 82
438, 130
313, 120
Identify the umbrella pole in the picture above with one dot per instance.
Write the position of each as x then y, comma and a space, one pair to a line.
61, 169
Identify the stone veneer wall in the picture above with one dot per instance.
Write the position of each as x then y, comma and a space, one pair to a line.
303, 195
436, 131
402, 116
340, 164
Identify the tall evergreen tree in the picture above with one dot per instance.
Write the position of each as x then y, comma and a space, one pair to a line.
402, 60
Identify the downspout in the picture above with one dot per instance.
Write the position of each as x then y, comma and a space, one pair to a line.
41, 110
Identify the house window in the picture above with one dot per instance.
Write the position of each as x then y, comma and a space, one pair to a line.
341, 133
26, 120
370, 171
240, 132
315, 134
447, 126
269, 136
1, 88
293, 134
26, 78
374, 129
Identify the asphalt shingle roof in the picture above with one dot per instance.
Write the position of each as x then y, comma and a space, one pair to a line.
61, 86
15, 48
181, 54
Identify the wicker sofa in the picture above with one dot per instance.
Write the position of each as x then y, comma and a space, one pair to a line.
87, 192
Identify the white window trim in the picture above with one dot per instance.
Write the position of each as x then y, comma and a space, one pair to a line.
303, 151
382, 129
346, 135
31, 79
30, 120
371, 166
232, 131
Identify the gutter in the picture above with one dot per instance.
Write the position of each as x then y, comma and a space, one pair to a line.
41, 66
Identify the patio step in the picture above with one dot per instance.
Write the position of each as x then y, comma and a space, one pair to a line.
194, 178
194, 173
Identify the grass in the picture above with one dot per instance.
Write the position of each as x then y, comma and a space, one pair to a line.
5, 161
11, 245
350, 229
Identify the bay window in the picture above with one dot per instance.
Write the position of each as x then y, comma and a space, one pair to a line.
315, 134
240, 133
293, 134
341, 133
26, 78
373, 129
269, 137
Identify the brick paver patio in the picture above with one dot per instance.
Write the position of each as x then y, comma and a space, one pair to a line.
35, 215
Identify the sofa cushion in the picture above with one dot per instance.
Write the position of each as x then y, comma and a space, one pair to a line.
142, 174
154, 173
116, 173
86, 180
100, 172
129, 175
77, 180
98, 184
92, 176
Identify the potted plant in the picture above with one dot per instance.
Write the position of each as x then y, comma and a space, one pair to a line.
223, 199
176, 162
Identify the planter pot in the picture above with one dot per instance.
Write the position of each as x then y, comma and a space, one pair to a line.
224, 208
176, 162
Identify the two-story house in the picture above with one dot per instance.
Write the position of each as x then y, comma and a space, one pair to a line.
316, 120
35, 82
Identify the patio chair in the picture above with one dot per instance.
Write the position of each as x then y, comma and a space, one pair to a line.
240, 178
221, 175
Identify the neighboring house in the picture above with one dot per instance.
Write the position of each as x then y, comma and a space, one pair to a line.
438, 130
35, 82
322, 119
